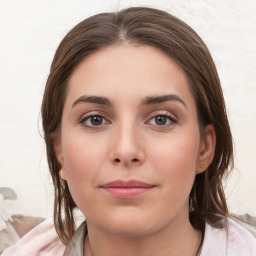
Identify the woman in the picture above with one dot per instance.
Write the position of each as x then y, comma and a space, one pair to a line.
138, 139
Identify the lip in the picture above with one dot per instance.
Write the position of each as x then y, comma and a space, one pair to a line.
127, 189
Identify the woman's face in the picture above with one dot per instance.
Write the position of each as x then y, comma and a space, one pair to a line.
130, 145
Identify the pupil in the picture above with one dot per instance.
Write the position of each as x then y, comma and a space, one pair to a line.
161, 120
96, 120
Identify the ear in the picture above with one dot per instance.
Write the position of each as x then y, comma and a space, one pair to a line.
59, 155
207, 149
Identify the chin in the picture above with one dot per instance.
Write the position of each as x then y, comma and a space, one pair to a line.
130, 225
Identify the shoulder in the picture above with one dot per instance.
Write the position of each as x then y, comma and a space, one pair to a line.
233, 240
42, 238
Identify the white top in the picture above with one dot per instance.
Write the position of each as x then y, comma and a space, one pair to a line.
232, 240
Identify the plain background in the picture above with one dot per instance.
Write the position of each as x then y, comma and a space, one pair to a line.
30, 32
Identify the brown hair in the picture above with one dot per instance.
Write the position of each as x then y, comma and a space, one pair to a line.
143, 26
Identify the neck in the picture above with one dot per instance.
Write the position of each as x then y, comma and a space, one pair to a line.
173, 240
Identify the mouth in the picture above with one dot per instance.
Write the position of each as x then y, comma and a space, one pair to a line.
127, 189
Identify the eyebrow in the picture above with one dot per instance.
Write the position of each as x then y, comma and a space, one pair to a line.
161, 99
150, 100
93, 99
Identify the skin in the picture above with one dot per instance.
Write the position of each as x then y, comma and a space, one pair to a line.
129, 142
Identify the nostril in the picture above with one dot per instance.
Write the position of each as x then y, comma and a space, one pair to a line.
134, 160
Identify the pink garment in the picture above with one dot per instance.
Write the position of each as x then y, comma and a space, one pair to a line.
41, 240
232, 240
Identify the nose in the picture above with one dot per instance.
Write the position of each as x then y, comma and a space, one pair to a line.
127, 146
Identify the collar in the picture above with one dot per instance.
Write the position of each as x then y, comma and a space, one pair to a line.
76, 245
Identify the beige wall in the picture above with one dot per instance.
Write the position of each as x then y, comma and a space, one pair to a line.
29, 34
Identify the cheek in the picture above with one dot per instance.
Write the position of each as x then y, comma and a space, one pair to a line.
178, 150
82, 161
176, 161
82, 154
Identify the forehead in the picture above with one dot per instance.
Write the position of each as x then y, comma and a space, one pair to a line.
128, 71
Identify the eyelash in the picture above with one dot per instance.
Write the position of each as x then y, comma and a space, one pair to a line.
173, 120
89, 117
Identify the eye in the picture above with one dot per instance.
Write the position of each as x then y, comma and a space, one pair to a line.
162, 120
93, 120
